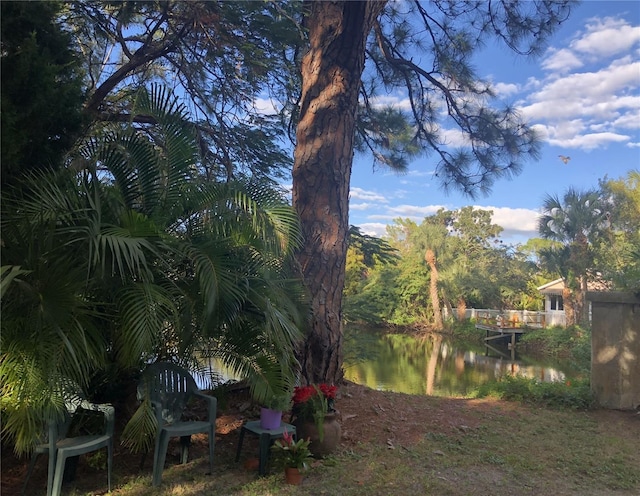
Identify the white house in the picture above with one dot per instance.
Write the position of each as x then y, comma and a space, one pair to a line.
553, 304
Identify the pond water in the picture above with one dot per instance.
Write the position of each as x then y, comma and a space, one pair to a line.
435, 365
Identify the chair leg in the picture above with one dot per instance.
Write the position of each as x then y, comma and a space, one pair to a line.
161, 455
212, 446
32, 464
53, 459
59, 474
240, 440
185, 442
109, 462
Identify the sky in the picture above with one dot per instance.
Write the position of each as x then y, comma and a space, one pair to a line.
582, 96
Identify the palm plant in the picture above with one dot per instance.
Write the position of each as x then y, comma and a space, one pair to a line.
128, 256
576, 222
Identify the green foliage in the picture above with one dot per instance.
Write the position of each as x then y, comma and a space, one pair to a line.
577, 221
41, 89
572, 342
571, 394
466, 330
473, 268
278, 402
293, 453
222, 56
618, 255
142, 260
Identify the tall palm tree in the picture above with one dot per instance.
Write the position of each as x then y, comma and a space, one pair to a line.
128, 256
576, 221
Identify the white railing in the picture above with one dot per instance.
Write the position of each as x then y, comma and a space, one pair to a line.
522, 317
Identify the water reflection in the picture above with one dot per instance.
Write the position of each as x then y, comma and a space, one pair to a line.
433, 365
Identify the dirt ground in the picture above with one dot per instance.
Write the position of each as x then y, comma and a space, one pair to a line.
378, 417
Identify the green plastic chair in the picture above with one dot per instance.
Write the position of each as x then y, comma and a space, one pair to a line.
59, 447
169, 389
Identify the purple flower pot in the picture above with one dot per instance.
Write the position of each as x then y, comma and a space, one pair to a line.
270, 419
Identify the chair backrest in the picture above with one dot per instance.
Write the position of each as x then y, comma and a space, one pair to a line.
169, 385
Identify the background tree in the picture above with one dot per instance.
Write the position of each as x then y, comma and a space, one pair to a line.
223, 55
618, 254
473, 269
226, 55
42, 90
576, 221
332, 70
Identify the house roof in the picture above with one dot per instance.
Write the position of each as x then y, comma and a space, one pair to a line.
552, 287
556, 286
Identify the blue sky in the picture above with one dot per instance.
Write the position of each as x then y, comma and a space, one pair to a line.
583, 97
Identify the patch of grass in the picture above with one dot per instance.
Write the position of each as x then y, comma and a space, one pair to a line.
574, 394
526, 450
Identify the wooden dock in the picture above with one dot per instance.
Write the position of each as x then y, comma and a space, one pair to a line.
497, 328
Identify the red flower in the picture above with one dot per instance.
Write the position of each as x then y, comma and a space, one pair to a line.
328, 391
303, 394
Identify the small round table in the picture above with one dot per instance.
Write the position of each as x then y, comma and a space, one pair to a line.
267, 437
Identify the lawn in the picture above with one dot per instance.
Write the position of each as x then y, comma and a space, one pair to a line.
397, 444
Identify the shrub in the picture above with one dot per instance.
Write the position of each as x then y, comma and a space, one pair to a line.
574, 394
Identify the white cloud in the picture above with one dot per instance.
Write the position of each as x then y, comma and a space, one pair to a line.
520, 223
590, 141
371, 196
633, 145
505, 89
596, 94
628, 121
377, 229
414, 212
607, 37
567, 107
396, 102
520, 220
361, 206
569, 135
561, 60
603, 38
420, 173
265, 106
454, 137
590, 108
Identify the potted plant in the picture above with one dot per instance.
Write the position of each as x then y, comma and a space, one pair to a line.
271, 412
314, 416
295, 456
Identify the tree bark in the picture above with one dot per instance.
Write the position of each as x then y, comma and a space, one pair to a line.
582, 312
461, 309
331, 72
568, 302
430, 258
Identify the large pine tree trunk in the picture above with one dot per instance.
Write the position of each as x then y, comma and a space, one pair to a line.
331, 72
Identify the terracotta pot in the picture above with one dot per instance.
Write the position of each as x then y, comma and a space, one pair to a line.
293, 476
307, 429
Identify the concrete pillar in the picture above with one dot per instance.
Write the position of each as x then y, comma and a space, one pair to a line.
615, 349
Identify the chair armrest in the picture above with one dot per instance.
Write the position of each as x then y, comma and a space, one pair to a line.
212, 404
